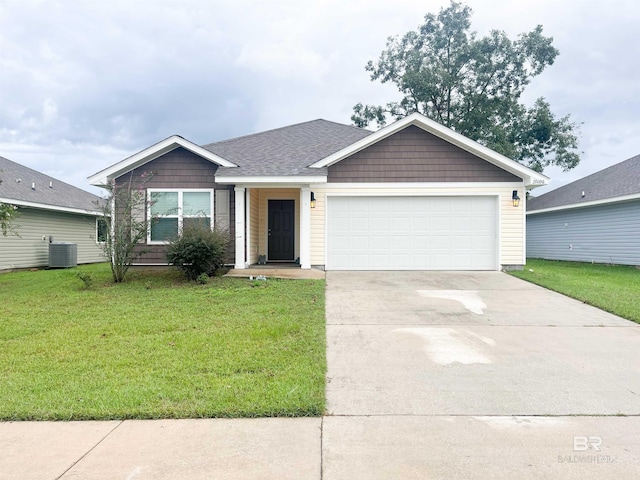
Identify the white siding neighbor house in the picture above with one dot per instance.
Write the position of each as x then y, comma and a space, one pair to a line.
49, 210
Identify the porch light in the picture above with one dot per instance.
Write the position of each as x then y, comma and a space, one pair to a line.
313, 200
515, 198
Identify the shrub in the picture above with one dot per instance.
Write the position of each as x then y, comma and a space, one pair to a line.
198, 250
86, 278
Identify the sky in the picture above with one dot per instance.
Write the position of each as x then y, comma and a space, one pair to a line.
87, 83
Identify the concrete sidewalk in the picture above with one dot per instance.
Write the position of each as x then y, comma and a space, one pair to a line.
264, 448
430, 375
341, 447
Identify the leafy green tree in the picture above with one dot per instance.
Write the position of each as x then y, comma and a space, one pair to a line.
473, 86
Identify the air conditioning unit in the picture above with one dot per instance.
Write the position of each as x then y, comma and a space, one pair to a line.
63, 255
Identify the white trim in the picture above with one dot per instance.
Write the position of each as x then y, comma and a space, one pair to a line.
55, 208
523, 205
425, 185
305, 227
531, 177
247, 220
413, 194
604, 201
179, 215
271, 181
498, 233
241, 261
151, 153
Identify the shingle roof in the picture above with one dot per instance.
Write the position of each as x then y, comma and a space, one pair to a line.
286, 151
17, 181
616, 181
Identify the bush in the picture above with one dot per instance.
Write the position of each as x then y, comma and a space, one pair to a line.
199, 250
86, 278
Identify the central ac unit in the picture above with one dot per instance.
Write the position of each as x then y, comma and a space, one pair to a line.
63, 255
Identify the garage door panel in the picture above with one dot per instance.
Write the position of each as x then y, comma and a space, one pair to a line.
379, 233
380, 243
402, 224
440, 242
441, 261
420, 244
380, 262
461, 243
462, 260
360, 242
440, 223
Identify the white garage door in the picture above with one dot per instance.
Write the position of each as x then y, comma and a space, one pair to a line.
412, 233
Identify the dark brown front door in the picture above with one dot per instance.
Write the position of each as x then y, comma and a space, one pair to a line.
281, 230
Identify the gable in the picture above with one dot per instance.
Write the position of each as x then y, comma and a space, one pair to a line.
151, 153
179, 168
414, 155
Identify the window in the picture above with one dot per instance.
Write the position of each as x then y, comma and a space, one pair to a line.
171, 210
101, 230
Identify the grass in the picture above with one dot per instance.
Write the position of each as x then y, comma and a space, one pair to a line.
159, 347
613, 288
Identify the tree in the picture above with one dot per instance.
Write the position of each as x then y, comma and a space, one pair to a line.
473, 86
8, 215
124, 223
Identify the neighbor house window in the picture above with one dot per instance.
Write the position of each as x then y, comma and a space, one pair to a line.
101, 230
171, 210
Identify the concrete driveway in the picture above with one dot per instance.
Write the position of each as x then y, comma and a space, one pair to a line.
471, 375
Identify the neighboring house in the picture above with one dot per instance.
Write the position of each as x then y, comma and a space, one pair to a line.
594, 219
47, 208
411, 196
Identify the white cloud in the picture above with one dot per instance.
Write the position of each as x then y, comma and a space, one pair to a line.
101, 80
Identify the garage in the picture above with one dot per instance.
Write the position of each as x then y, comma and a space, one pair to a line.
412, 233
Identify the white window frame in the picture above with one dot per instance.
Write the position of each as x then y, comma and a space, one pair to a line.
98, 220
179, 215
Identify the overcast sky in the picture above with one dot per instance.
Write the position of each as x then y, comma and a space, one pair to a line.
84, 84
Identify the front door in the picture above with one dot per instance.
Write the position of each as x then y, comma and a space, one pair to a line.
281, 230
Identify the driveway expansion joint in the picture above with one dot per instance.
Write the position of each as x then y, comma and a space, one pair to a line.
90, 450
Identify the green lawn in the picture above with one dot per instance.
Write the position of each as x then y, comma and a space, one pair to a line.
159, 347
614, 288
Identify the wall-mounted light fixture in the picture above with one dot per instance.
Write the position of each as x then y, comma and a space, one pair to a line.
313, 200
515, 198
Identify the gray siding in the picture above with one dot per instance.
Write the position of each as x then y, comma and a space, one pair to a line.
29, 250
601, 234
413, 155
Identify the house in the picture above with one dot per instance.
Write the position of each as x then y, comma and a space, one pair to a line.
48, 209
413, 195
594, 219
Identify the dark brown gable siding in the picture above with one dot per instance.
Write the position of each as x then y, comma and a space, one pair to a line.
179, 168
413, 155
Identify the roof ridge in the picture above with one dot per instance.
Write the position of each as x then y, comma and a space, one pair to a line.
233, 139
587, 177
48, 177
